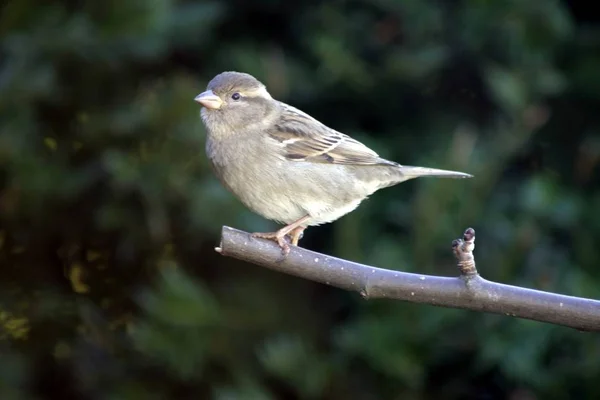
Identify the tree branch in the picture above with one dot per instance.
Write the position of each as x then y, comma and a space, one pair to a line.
468, 291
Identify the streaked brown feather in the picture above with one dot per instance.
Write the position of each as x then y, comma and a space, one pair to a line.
306, 139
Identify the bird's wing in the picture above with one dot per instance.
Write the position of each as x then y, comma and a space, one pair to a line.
303, 138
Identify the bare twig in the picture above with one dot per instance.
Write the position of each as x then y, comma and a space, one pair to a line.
463, 250
468, 291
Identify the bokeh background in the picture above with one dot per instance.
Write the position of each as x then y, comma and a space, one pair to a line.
109, 213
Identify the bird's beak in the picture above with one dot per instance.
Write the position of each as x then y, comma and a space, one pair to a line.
209, 100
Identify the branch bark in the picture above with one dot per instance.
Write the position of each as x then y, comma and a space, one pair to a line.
468, 291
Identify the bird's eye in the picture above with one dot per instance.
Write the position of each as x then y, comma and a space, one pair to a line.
236, 96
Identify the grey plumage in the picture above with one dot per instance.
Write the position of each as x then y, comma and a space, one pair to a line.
287, 166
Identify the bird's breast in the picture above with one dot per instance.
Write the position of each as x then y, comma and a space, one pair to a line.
256, 177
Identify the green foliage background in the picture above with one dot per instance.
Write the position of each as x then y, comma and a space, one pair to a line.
109, 285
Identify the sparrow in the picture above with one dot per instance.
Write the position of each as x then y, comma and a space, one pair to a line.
285, 165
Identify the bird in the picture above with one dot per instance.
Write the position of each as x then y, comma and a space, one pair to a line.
287, 166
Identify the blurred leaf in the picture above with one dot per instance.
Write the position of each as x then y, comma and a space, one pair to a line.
291, 359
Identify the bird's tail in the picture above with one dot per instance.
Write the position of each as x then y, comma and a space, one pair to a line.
415, 172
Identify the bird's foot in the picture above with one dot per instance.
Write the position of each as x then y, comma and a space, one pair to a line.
293, 230
279, 237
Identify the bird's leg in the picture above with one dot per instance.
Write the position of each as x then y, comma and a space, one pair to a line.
295, 228
296, 234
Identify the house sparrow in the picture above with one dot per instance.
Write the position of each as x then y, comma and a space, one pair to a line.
285, 165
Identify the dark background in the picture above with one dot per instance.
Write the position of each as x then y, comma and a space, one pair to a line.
109, 213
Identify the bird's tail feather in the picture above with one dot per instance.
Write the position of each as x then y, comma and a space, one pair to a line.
415, 172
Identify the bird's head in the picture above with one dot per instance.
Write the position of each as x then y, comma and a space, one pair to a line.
234, 100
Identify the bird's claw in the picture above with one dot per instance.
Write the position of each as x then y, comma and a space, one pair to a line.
277, 237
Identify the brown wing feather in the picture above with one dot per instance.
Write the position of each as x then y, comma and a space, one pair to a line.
305, 139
